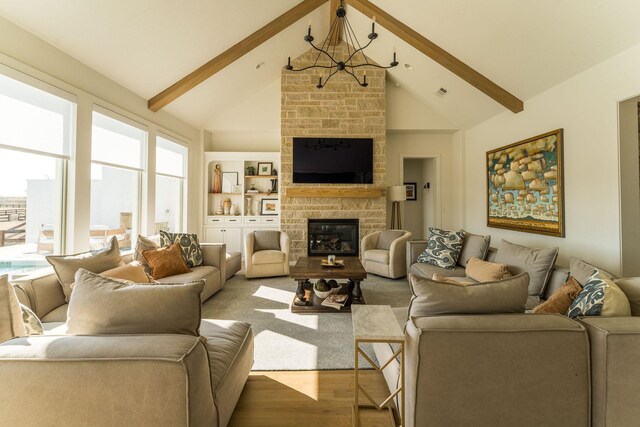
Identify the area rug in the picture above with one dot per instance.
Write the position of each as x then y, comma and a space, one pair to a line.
287, 341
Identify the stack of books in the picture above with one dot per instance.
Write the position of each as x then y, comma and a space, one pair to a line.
336, 301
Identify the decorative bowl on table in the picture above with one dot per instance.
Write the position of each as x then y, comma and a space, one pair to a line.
322, 289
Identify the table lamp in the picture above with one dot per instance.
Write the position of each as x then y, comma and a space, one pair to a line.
396, 194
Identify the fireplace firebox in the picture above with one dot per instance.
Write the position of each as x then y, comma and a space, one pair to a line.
333, 237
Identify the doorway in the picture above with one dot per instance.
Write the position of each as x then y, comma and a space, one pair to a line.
628, 118
423, 212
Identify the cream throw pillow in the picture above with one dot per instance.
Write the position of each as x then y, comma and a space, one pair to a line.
11, 324
616, 302
440, 278
98, 261
132, 272
485, 271
101, 305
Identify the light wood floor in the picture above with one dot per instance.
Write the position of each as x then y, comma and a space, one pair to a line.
307, 399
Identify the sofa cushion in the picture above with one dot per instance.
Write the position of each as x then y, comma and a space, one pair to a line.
132, 272
582, 270
443, 248
600, 296
97, 261
561, 299
537, 262
101, 305
485, 271
266, 240
386, 238
436, 298
11, 324
57, 314
267, 257
377, 255
209, 274
166, 261
631, 288
145, 244
473, 246
189, 246
428, 270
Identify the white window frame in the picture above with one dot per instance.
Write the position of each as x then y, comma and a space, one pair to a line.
184, 182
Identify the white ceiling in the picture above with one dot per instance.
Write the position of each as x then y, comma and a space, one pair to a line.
146, 45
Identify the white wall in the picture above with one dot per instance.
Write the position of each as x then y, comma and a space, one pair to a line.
22, 51
413, 214
439, 146
586, 106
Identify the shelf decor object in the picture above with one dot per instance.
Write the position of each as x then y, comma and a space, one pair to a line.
269, 207
229, 180
264, 168
355, 53
397, 194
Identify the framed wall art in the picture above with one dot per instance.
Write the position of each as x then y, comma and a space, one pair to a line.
411, 187
269, 206
265, 168
229, 180
525, 186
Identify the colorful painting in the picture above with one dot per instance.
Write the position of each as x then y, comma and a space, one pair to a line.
525, 185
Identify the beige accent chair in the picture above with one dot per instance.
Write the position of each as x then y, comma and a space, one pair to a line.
266, 253
384, 252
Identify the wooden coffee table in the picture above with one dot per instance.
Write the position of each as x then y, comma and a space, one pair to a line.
311, 268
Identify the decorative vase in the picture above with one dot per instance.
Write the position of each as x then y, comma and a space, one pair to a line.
226, 205
248, 206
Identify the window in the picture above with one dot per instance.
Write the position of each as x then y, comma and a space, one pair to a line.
36, 129
171, 167
117, 153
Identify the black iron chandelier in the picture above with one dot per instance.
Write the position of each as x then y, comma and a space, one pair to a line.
338, 26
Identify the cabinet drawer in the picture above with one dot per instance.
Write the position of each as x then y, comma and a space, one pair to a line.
236, 220
253, 221
267, 220
214, 220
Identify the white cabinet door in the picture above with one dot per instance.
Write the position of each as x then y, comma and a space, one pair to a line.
213, 235
233, 239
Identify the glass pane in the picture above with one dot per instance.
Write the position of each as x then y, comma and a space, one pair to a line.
170, 157
169, 204
34, 119
30, 210
116, 142
114, 206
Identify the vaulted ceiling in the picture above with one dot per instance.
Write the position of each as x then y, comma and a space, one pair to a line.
524, 46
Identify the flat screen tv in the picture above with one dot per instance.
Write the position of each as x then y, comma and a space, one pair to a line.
333, 160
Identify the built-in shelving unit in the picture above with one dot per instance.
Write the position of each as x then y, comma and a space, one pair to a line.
250, 210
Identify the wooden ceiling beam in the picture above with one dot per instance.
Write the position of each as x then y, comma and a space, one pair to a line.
232, 54
332, 16
439, 55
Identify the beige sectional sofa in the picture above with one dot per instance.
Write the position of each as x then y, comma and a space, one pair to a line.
518, 369
43, 293
138, 379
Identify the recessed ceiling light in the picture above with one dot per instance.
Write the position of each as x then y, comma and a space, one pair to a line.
441, 92
408, 66
260, 65
397, 84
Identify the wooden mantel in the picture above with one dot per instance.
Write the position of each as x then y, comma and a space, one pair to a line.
335, 192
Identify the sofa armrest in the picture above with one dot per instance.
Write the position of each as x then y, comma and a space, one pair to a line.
42, 291
285, 247
397, 256
370, 241
215, 255
414, 250
615, 377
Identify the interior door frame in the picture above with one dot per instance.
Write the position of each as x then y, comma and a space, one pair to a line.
438, 189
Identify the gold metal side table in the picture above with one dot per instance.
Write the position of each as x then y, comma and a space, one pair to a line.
376, 324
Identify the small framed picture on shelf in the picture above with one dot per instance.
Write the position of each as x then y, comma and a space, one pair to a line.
229, 179
411, 188
265, 168
269, 206
237, 189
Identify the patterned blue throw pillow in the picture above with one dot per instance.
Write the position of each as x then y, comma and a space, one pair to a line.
189, 245
443, 248
590, 300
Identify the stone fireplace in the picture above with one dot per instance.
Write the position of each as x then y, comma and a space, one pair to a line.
333, 237
341, 109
